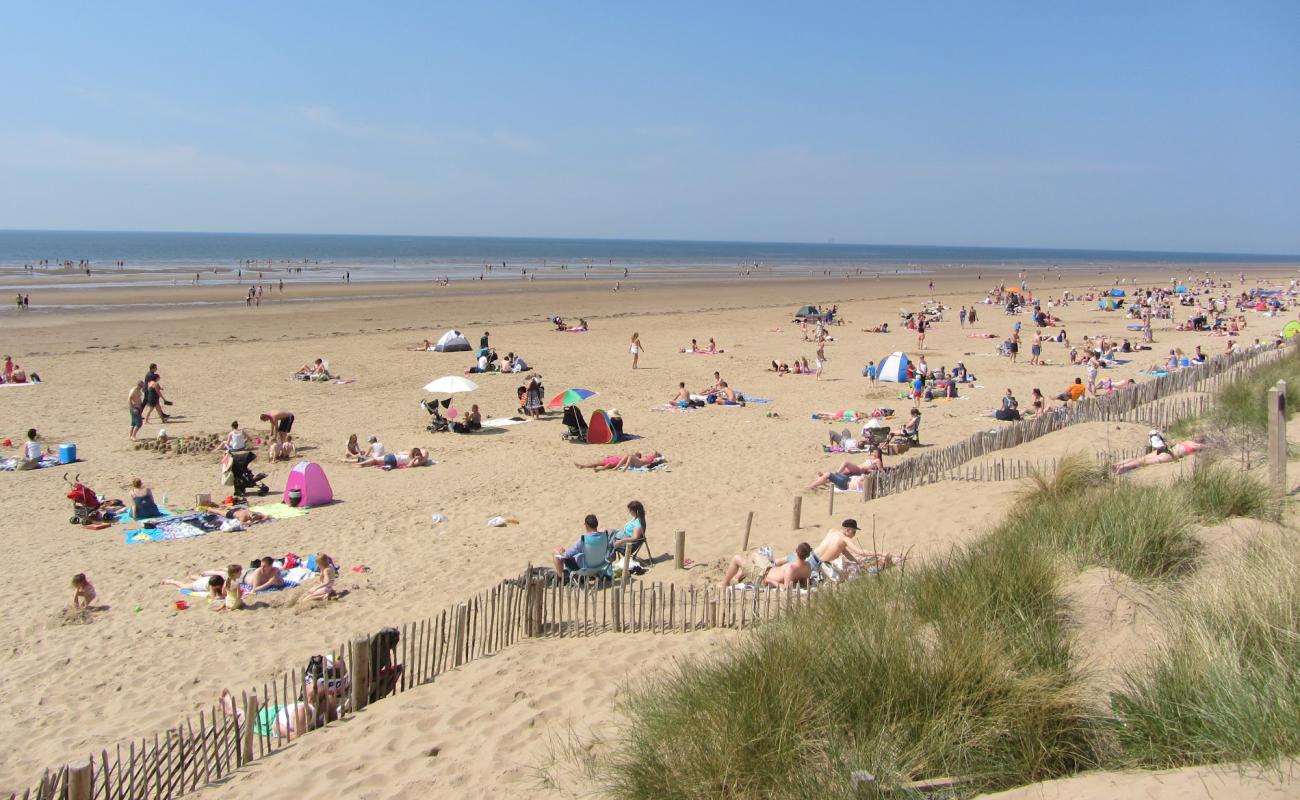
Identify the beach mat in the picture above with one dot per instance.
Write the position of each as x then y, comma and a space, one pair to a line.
11, 464
279, 510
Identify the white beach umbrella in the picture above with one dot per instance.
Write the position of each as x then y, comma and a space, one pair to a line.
450, 384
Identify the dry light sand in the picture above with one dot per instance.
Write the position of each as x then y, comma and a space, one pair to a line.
74, 685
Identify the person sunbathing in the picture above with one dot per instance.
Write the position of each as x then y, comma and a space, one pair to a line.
637, 459
400, 460
246, 516
693, 347
840, 478
839, 542
715, 387
315, 371
1180, 450
713, 347
757, 568
282, 451
683, 397
143, 506
725, 395
779, 367
469, 421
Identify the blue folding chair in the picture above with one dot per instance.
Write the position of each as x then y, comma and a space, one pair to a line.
597, 557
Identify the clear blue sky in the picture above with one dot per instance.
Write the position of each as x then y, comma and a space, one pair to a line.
1144, 125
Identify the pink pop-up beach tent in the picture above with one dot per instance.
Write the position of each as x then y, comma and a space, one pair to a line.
309, 478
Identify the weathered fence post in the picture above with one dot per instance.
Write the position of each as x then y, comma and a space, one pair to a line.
79, 782
533, 615
462, 617
361, 676
798, 512
749, 524
251, 708
1277, 437
679, 557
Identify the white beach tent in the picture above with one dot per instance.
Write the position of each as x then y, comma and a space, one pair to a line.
893, 368
452, 342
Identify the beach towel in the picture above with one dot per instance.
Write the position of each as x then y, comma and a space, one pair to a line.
503, 422
671, 409
280, 511
661, 463
186, 526
759, 400
11, 464
24, 383
128, 514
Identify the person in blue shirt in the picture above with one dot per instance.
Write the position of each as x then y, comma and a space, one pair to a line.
633, 533
571, 559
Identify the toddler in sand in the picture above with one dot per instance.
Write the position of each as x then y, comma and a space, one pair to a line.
83, 591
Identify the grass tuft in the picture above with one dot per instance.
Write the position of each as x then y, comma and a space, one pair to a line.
1225, 685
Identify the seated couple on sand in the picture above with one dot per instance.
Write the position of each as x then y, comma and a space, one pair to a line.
840, 558
318, 370
651, 458
694, 347
881, 328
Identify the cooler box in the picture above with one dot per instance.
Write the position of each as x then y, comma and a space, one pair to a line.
67, 453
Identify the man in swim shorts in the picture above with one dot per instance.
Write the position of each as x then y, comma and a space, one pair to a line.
281, 424
758, 569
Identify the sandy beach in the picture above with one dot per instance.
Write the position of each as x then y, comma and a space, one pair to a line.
79, 683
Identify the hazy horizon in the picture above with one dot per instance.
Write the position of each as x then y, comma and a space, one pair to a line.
1158, 127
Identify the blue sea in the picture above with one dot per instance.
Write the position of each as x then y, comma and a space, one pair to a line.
327, 257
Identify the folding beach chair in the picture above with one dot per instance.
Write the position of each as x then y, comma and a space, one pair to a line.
597, 558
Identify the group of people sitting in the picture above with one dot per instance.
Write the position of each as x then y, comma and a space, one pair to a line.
376, 456
876, 441
488, 361
717, 393
796, 366
226, 589
317, 370
468, 421
838, 557
694, 347
15, 374
562, 326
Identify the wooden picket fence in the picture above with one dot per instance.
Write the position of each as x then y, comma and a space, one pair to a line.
1140, 403
214, 743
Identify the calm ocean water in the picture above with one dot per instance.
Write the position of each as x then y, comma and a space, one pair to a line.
326, 257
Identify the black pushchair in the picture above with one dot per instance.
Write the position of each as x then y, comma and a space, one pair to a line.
575, 427
437, 422
244, 477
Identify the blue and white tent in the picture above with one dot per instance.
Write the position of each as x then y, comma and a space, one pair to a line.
893, 368
1116, 292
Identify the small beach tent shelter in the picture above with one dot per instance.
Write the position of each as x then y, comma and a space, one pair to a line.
806, 311
893, 368
309, 478
452, 342
1107, 304
1180, 288
599, 429
1116, 292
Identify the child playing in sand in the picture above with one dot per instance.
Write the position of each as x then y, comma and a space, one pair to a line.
234, 596
329, 573
83, 591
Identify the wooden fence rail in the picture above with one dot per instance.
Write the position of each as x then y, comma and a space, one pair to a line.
214, 742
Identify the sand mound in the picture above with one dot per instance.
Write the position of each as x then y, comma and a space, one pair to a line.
1116, 625
1189, 783
517, 724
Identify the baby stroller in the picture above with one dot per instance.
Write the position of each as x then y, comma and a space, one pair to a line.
244, 479
86, 505
437, 422
575, 425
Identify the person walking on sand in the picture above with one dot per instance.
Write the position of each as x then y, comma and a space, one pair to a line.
636, 349
962, 316
135, 406
920, 332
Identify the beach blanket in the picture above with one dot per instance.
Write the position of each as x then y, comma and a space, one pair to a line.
11, 464
24, 383
577, 330
981, 336
186, 526
503, 422
670, 409
759, 400
128, 514
280, 511
660, 464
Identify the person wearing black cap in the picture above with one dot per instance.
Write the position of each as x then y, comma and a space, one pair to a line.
841, 542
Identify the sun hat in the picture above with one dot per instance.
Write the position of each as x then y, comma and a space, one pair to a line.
851, 524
